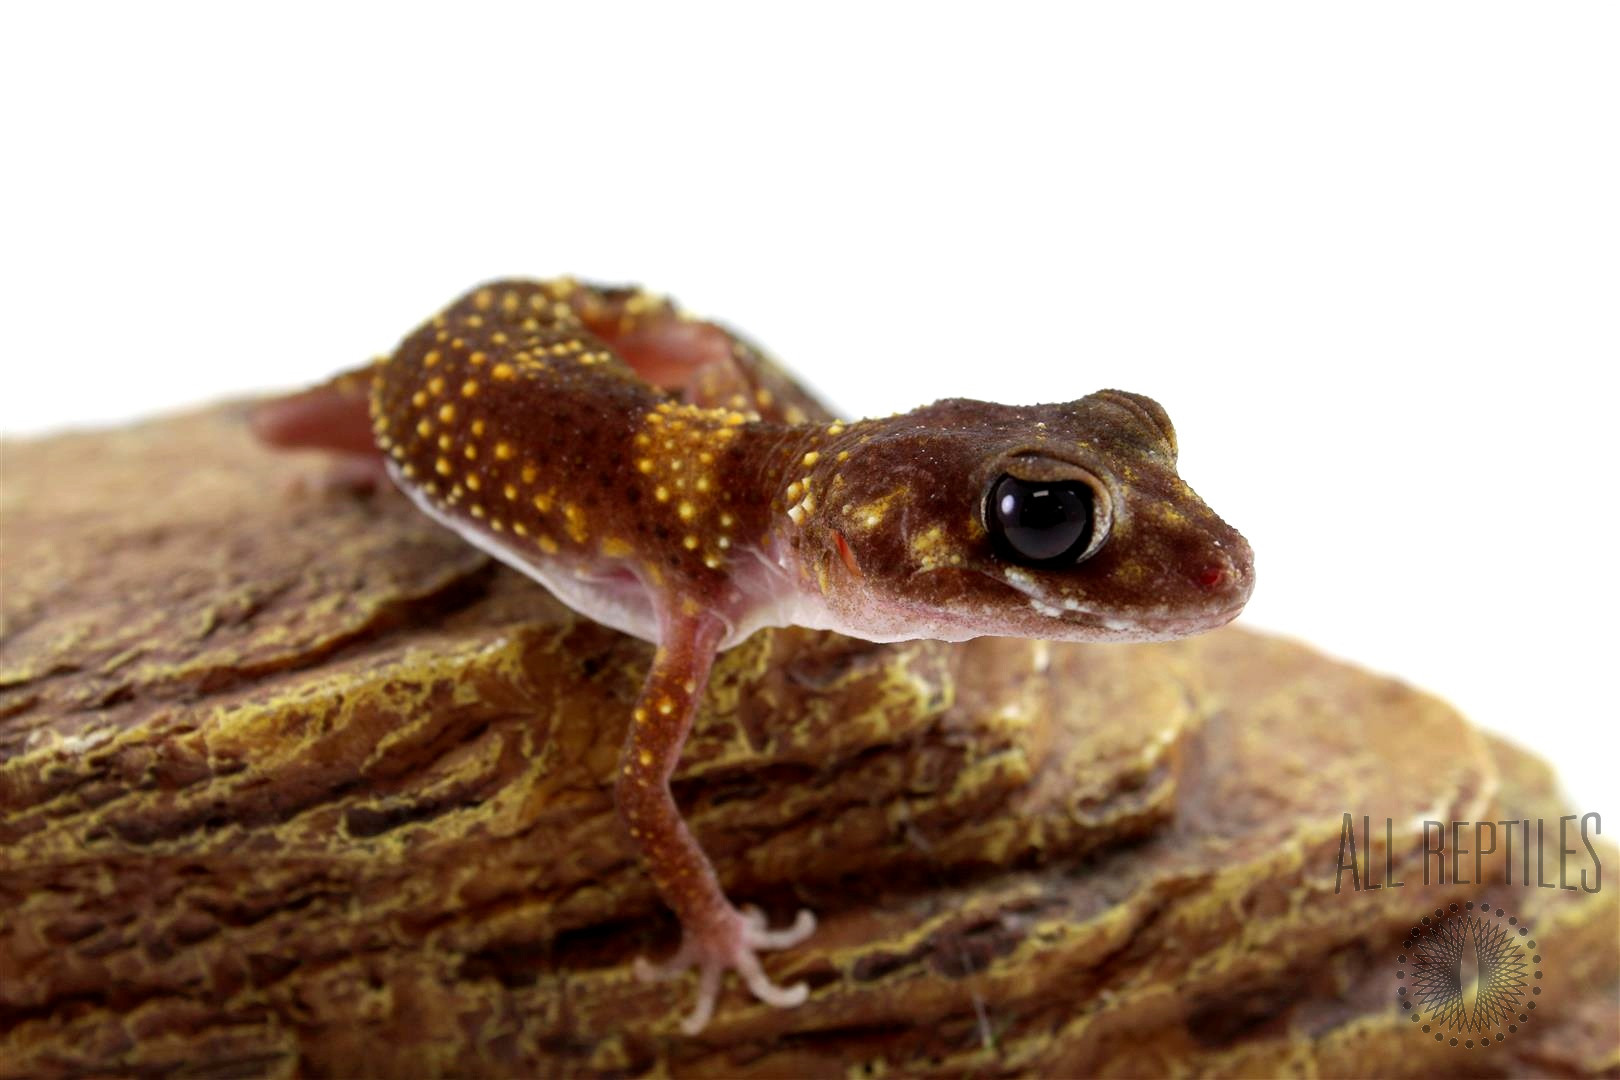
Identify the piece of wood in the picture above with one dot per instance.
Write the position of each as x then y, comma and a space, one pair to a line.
296, 783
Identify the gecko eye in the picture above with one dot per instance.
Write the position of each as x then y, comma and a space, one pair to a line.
1044, 522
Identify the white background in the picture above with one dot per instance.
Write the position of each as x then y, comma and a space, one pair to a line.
1368, 256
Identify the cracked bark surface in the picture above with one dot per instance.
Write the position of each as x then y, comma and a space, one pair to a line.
296, 783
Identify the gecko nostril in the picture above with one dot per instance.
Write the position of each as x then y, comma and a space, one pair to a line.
1217, 575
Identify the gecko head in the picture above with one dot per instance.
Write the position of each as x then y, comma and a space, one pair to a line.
1066, 521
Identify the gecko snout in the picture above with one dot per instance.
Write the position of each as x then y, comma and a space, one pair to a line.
1224, 572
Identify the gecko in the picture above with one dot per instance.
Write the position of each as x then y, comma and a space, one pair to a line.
660, 475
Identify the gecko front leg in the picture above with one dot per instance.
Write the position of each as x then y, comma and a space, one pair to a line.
715, 935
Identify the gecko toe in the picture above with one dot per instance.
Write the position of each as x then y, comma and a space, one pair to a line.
761, 938
648, 972
783, 997
708, 992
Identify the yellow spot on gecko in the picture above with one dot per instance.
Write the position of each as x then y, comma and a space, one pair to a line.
576, 522
447, 413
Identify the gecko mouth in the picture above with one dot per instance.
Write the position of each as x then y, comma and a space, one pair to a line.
1139, 626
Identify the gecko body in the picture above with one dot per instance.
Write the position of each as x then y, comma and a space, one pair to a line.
660, 476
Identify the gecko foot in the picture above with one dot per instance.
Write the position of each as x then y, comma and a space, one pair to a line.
353, 474
733, 945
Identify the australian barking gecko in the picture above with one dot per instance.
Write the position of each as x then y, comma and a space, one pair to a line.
660, 476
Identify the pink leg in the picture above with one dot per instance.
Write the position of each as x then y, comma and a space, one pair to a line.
715, 935
702, 362
697, 360
355, 474
333, 416
669, 352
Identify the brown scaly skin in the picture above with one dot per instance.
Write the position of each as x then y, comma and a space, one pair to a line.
899, 519
531, 417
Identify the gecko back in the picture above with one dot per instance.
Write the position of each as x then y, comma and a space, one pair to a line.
505, 408
510, 418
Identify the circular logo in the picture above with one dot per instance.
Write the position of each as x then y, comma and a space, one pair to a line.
1468, 975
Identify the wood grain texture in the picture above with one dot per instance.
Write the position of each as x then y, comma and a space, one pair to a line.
297, 783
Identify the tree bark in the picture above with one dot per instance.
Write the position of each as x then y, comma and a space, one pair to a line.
294, 782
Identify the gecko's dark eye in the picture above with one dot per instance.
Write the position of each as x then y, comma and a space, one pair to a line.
1044, 522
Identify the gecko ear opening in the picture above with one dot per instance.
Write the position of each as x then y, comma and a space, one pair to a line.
1047, 522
